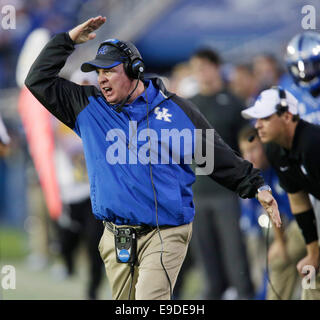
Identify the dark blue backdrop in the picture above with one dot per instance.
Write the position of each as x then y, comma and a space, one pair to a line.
237, 28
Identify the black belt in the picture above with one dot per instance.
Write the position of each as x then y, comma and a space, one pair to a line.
140, 230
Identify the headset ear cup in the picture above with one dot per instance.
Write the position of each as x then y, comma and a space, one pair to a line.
136, 67
126, 66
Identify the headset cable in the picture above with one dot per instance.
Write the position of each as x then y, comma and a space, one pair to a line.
156, 202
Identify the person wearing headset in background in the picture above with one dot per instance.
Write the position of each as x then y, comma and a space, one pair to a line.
303, 81
288, 246
303, 63
292, 150
143, 200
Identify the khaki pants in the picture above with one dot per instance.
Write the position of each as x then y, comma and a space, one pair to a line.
284, 275
149, 281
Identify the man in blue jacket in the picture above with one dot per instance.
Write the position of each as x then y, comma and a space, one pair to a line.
140, 185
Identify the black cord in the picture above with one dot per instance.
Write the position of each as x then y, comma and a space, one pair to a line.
156, 203
267, 261
119, 109
132, 274
121, 105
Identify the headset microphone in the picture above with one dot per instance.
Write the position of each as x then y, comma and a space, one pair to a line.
121, 105
251, 138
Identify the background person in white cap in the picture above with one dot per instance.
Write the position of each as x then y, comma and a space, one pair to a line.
292, 149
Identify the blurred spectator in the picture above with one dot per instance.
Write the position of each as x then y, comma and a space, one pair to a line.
4, 139
31, 15
4, 149
77, 223
13, 174
216, 227
243, 83
266, 70
182, 81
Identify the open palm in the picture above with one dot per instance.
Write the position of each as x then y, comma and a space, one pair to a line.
85, 31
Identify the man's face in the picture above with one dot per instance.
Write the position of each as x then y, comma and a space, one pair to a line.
114, 84
265, 71
271, 129
253, 152
204, 70
242, 83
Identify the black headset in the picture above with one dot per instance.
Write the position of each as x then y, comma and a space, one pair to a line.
134, 66
283, 105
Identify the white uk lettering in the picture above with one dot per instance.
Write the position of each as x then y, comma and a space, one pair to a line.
162, 115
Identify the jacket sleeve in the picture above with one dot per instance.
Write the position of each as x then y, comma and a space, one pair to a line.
63, 98
229, 169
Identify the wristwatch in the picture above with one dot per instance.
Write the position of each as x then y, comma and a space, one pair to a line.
262, 188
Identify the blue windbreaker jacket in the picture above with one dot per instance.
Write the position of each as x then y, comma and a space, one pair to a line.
123, 184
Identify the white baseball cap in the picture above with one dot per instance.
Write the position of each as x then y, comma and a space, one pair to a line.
267, 102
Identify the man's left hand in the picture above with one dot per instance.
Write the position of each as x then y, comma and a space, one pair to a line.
269, 203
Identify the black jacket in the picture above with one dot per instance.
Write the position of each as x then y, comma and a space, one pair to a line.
299, 168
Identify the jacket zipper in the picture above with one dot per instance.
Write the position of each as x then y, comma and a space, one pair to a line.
129, 141
127, 114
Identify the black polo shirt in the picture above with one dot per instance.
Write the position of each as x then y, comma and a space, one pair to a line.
299, 168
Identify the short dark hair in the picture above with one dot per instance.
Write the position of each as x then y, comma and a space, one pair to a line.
209, 54
271, 58
295, 117
247, 67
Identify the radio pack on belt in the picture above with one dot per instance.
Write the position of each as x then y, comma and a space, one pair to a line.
125, 244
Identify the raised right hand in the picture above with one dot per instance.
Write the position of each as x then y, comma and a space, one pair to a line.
84, 31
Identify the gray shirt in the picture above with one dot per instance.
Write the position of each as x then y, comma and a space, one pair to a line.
223, 111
